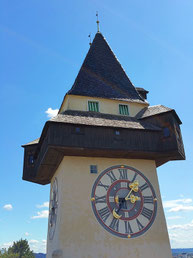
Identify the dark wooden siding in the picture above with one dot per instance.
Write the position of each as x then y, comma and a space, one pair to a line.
168, 120
62, 139
103, 137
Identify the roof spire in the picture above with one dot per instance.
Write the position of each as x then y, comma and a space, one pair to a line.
97, 21
101, 75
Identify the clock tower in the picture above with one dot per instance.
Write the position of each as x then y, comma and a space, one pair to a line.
100, 155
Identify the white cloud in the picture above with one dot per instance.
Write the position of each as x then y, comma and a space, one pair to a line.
26, 234
178, 205
33, 241
51, 112
44, 205
37, 246
174, 217
6, 245
8, 207
181, 208
41, 215
181, 235
187, 226
173, 203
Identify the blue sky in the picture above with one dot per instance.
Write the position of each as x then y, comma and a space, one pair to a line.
42, 46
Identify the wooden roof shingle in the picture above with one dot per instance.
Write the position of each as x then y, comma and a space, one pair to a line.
99, 119
156, 110
101, 75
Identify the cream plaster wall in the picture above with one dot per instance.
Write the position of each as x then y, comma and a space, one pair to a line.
108, 106
78, 234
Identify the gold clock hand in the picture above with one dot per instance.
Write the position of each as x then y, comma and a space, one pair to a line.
134, 198
115, 213
134, 187
117, 216
127, 197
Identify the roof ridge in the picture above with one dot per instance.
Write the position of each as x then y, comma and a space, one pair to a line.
159, 105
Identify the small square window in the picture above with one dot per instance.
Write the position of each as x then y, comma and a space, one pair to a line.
93, 169
31, 159
166, 132
123, 110
93, 106
117, 132
77, 129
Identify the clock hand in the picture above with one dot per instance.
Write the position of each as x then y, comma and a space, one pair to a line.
134, 187
127, 197
134, 198
115, 213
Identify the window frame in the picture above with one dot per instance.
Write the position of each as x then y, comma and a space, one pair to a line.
78, 130
95, 101
166, 132
93, 169
126, 105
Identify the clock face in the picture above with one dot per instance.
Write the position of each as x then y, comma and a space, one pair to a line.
53, 209
124, 201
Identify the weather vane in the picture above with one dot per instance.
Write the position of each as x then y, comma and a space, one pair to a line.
97, 21
90, 39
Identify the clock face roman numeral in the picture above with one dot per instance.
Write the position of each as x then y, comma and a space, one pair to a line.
101, 199
104, 213
147, 213
144, 186
126, 214
140, 226
148, 199
124, 185
114, 224
128, 229
134, 177
112, 176
123, 173
105, 186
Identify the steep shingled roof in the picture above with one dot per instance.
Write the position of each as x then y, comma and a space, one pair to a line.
101, 75
156, 110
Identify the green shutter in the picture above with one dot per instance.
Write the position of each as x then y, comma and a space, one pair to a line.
93, 106
97, 107
123, 110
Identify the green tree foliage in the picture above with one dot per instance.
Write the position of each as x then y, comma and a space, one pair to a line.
19, 249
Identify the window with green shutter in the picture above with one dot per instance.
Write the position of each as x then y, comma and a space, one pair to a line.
123, 110
93, 106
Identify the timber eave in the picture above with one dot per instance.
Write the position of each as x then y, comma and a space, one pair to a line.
60, 139
47, 167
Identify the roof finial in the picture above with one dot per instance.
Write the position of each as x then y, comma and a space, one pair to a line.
90, 39
97, 21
